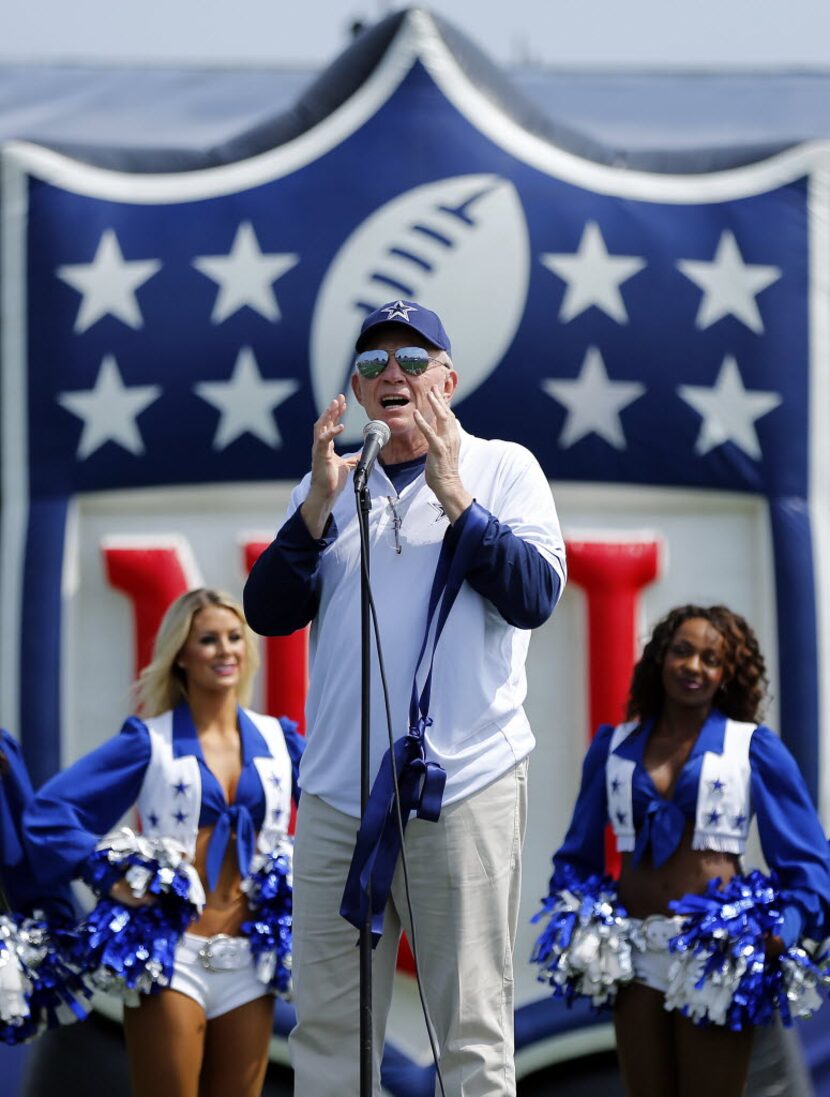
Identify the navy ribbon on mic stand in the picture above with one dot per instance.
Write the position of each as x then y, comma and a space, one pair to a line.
420, 782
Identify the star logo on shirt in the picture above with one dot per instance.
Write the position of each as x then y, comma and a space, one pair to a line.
621, 817
713, 818
181, 788
717, 786
739, 821
180, 816
152, 820
277, 813
275, 780
615, 785
399, 311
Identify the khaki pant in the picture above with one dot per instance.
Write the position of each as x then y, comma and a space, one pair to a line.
464, 879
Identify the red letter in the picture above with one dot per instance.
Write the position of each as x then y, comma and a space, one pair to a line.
286, 661
152, 572
612, 574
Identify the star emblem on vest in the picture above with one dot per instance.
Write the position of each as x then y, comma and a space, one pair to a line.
739, 821
277, 813
181, 788
717, 786
399, 311
275, 780
713, 818
180, 816
621, 817
615, 785
153, 820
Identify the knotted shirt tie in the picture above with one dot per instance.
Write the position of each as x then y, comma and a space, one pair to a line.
660, 831
235, 817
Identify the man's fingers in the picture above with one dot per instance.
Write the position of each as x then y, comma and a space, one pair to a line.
439, 404
332, 430
333, 411
328, 425
424, 426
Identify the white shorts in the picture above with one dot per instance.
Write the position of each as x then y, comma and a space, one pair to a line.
217, 972
651, 966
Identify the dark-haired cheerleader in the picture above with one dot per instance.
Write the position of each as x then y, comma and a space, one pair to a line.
692, 952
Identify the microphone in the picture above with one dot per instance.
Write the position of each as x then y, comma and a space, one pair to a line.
375, 436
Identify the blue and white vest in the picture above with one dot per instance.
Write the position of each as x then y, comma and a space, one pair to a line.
170, 799
724, 808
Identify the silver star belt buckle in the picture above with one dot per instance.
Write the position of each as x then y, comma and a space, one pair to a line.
224, 953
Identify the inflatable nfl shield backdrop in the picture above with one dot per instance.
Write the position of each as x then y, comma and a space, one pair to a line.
171, 327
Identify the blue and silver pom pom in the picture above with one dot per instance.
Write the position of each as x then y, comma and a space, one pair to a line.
586, 947
128, 950
721, 974
38, 987
270, 897
15, 988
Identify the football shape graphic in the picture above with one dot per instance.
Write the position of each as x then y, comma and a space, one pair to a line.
458, 246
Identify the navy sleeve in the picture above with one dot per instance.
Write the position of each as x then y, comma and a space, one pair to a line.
282, 590
24, 892
296, 744
791, 835
583, 851
510, 572
77, 806
15, 794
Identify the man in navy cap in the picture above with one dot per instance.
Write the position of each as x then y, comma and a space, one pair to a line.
485, 508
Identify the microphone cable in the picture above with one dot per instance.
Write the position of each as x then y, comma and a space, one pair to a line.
364, 549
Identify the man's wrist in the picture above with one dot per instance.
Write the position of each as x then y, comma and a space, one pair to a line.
316, 513
455, 499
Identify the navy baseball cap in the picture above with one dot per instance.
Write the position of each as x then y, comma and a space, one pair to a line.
409, 314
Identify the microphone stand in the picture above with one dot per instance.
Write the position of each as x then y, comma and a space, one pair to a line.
364, 505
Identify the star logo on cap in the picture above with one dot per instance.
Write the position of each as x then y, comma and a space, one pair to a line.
399, 311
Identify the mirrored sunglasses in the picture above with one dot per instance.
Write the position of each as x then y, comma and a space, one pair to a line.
412, 360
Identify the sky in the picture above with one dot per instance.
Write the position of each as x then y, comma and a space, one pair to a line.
611, 33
